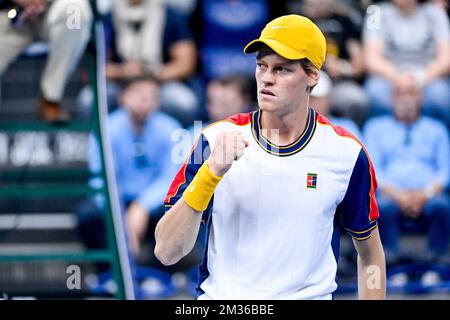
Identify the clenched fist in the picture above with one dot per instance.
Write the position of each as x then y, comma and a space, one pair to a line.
229, 147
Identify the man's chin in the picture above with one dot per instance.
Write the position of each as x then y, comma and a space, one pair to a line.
268, 106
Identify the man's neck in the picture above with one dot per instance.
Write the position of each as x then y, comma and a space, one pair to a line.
138, 125
407, 122
408, 10
284, 129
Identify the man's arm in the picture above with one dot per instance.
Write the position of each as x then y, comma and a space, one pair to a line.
181, 48
177, 230
176, 233
371, 268
359, 215
440, 66
183, 58
375, 61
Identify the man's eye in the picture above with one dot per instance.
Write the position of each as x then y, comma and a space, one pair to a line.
282, 69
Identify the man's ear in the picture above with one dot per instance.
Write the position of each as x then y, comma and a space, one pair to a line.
313, 77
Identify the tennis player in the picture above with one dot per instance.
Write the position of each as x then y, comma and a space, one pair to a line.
273, 187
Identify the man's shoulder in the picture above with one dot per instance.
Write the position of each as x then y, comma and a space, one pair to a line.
164, 121
176, 26
240, 119
431, 9
433, 124
380, 123
237, 121
337, 145
387, 7
338, 133
117, 118
172, 14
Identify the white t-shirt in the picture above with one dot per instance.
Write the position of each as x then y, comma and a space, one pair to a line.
273, 220
409, 40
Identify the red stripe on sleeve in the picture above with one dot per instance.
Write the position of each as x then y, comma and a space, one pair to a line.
177, 182
241, 119
374, 213
180, 178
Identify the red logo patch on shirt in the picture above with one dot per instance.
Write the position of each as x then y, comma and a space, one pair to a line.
311, 181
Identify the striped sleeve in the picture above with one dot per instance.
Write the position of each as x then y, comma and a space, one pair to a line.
358, 210
198, 154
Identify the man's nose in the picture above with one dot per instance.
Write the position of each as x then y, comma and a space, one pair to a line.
267, 77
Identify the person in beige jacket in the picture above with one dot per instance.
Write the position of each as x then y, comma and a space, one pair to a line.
65, 24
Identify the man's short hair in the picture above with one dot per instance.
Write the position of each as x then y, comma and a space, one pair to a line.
309, 68
242, 82
126, 83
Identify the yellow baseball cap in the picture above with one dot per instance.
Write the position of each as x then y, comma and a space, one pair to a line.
292, 37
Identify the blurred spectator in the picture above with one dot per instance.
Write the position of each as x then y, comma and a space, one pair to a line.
225, 97
320, 101
149, 37
184, 6
24, 21
228, 96
405, 38
411, 156
223, 28
353, 9
344, 62
141, 145
359, 5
